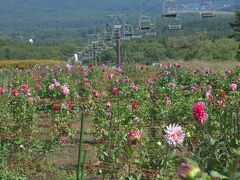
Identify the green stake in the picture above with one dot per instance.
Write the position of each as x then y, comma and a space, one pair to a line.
80, 147
82, 167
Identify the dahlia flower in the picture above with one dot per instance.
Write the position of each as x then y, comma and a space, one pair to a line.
166, 100
134, 137
233, 86
199, 112
55, 83
174, 135
115, 91
96, 93
189, 170
63, 140
134, 105
2, 91
57, 107
25, 88
64, 90
51, 87
15, 92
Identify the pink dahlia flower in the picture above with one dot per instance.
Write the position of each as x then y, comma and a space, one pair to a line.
108, 115
233, 86
15, 92
134, 137
174, 135
199, 112
69, 105
135, 87
150, 81
87, 85
96, 93
166, 73
115, 91
181, 87
51, 87
166, 100
25, 88
56, 84
63, 140
110, 75
194, 89
65, 90
209, 95
2, 91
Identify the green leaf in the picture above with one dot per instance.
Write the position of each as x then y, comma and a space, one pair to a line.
215, 174
213, 141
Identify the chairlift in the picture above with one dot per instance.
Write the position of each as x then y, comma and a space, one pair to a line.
170, 9
151, 34
95, 44
107, 35
101, 43
152, 31
128, 30
116, 33
137, 34
145, 23
175, 24
109, 47
207, 8
88, 53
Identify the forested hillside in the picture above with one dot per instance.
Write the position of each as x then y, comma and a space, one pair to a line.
57, 20
60, 28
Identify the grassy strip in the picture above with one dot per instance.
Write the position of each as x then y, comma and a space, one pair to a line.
22, 64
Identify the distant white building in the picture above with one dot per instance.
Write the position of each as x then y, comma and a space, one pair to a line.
76, 57
30, 41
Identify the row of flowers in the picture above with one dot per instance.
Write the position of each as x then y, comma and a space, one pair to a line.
130, 105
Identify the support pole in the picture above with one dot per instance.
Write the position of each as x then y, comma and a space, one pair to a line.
118, 47
94, 54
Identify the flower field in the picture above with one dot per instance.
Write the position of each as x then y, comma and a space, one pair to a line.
165, 121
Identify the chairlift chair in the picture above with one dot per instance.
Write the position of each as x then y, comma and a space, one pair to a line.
95, 44
125, 38
151, 34
107, 33
170, 9
101, 44
128, 30
145, 23
116, 33
137, 34
109, 47
107, 36
80, 54
152, 31
207, 8
88, 53
175, 24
